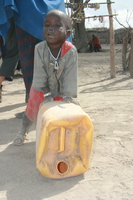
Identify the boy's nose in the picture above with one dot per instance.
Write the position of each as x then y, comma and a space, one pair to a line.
51, 30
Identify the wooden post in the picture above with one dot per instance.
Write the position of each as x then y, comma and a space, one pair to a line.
124, 52
131, 62
112, 43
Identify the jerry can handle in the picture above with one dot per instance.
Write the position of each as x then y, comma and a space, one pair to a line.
62, 140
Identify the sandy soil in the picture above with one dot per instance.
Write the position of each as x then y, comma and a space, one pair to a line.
109, 103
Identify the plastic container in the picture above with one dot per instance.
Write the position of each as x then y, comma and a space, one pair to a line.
63, 140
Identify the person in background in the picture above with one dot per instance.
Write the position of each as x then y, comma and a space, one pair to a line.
1, 48
11, 58
95, 45
55, 69
28, 18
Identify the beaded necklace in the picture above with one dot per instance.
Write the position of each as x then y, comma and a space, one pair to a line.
56, 66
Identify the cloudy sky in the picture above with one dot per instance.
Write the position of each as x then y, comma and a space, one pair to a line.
124, 9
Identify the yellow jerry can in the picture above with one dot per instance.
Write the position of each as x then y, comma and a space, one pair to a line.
63, 141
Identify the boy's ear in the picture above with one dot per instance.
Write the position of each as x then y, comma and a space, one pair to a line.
68, 33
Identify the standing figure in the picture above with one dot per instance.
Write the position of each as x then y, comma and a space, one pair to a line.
28, 18
11, 57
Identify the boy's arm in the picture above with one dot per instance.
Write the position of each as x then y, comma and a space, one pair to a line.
71, 75
40, 76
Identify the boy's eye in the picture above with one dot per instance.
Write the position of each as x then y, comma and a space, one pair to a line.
52, 26
57, 25
46, 25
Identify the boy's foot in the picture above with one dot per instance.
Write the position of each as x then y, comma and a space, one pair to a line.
19, 139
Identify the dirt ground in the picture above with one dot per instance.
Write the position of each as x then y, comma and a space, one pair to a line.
109, 103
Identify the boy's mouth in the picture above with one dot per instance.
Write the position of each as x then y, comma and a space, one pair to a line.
50, 36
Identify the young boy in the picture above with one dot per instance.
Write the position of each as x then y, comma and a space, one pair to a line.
55, 69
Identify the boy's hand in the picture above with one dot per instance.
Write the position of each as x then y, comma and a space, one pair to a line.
70, 100
47, 99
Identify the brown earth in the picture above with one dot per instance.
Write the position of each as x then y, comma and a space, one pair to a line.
109, 103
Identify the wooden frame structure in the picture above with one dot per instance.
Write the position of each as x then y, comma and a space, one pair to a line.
111, 28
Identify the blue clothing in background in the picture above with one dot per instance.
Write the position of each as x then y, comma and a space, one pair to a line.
28, 14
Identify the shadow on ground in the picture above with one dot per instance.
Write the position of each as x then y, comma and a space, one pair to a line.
21, 179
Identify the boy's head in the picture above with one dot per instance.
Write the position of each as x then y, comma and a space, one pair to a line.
57, 27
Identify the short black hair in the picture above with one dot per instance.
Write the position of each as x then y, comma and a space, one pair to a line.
64, 16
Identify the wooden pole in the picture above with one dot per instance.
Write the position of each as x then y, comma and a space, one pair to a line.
100, 16
112, 43
124, 52
131, 62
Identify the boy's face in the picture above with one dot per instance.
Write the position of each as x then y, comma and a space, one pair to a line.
54, 29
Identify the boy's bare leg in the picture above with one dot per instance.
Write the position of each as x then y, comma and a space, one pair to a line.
26, 124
